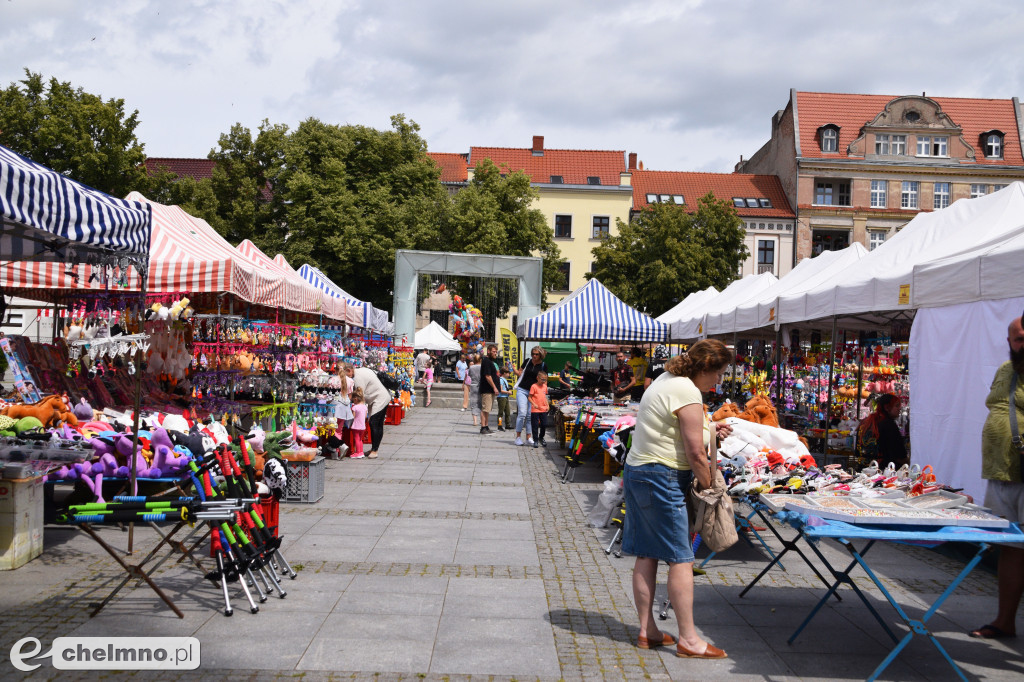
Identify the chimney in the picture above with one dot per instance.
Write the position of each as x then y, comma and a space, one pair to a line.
632, 161
538, 145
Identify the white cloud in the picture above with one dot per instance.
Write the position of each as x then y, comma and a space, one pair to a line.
688, 85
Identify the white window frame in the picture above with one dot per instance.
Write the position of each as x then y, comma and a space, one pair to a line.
909, 191
940, 145
940, 195
593, 227
993, 146
879, 193
978, 190
924, 145
829, 140
996, 188
875, 239
898, 145
882, 145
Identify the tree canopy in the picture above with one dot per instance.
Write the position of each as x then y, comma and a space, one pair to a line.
73, 132
666, 253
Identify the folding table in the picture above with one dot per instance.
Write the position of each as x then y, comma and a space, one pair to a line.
846, 534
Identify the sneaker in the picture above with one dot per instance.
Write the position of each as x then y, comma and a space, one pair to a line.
500, 427
359, 456
519, 441
543, 443
530, 443
484, 429
536, 444
463, 409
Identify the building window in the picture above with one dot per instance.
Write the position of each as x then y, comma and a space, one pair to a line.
593, 266
879, 189
993, 146
678, 199
751, 203
928, 145
563, 226
908, 196
996, 188
829, 139
832, 193
978, 191
891, 144
875, 239
14, 320
829, 240
601, 223
593, 180
941, 195
664, 198
765, 203
738, 202
765, 255
556, 179
652, 198
563, 281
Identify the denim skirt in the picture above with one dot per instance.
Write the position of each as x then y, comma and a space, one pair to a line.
656, 524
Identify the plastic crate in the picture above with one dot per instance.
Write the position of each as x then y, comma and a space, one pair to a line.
269, 509
305, 480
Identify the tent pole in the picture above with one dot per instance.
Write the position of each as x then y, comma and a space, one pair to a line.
860, 384
132, 471
779, 373
831, 368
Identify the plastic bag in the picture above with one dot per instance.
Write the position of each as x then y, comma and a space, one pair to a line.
607, 502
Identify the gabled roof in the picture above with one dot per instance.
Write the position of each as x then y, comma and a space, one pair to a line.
573, 165
453, 166
197, 169
851, 111
725, 186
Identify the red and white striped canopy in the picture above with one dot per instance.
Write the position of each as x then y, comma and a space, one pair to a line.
298, 294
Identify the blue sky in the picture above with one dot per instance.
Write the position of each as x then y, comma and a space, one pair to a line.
687, 84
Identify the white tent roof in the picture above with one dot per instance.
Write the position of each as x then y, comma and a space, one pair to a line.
760, 311
742, 290
878, 286
435, 337
681, 309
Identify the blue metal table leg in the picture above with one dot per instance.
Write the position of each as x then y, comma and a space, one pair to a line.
787, 545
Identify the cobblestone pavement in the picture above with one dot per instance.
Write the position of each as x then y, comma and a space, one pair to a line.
457, 556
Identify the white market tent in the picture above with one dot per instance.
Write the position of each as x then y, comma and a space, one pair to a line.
688, 304
759, 313
436, 337
877, 288
592, 313
965, 302
692, 324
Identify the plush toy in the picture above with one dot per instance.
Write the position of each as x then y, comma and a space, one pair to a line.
83, 410
197, 442
50, 411
729, 409
275, 477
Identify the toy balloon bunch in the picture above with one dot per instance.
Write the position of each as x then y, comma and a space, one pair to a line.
469, 324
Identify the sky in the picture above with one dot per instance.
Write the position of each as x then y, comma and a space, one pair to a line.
686, 84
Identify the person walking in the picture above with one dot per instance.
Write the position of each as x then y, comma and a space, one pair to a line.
461, 373
428, 378
488, 386
377, 398
473, 376
539, 409
504, 413
527, 378
670, 448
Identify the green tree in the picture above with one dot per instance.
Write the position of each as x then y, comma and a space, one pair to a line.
195, 197
666, 253
494, 215
73, 132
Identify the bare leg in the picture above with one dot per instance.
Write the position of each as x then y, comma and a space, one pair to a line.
680, 593
1011, 587
644, 573
465, 396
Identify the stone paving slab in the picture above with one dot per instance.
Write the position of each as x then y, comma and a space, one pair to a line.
456, 556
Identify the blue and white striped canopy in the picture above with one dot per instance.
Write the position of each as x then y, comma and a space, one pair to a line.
364, 315
47, 216
592, 313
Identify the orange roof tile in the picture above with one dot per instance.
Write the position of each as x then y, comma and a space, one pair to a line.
724, 186
453, 166
183, 168
851, 111
574, 165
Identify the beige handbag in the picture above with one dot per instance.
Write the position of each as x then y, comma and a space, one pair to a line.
713, 514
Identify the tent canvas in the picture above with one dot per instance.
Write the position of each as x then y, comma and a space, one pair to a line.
592, 313
880, 286
760, 312
436, 337
49, 220
684, 307
692, 326
357, 313
332, 306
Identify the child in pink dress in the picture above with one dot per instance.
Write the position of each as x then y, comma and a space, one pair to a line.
358, 423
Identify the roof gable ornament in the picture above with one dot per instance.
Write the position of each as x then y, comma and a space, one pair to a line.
910, 113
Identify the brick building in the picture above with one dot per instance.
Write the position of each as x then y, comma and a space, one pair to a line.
854, 167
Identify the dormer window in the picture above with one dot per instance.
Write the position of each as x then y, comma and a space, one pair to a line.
556, 179
765, 203
738, 202
652, 198
593, 180
912, 116
829, 136
992, 143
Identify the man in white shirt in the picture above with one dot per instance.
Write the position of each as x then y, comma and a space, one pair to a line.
422, 360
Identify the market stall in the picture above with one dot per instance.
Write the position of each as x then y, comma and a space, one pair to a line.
692, 324
436, 338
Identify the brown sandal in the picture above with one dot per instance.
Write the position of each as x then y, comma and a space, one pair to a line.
644, 643
711, 651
